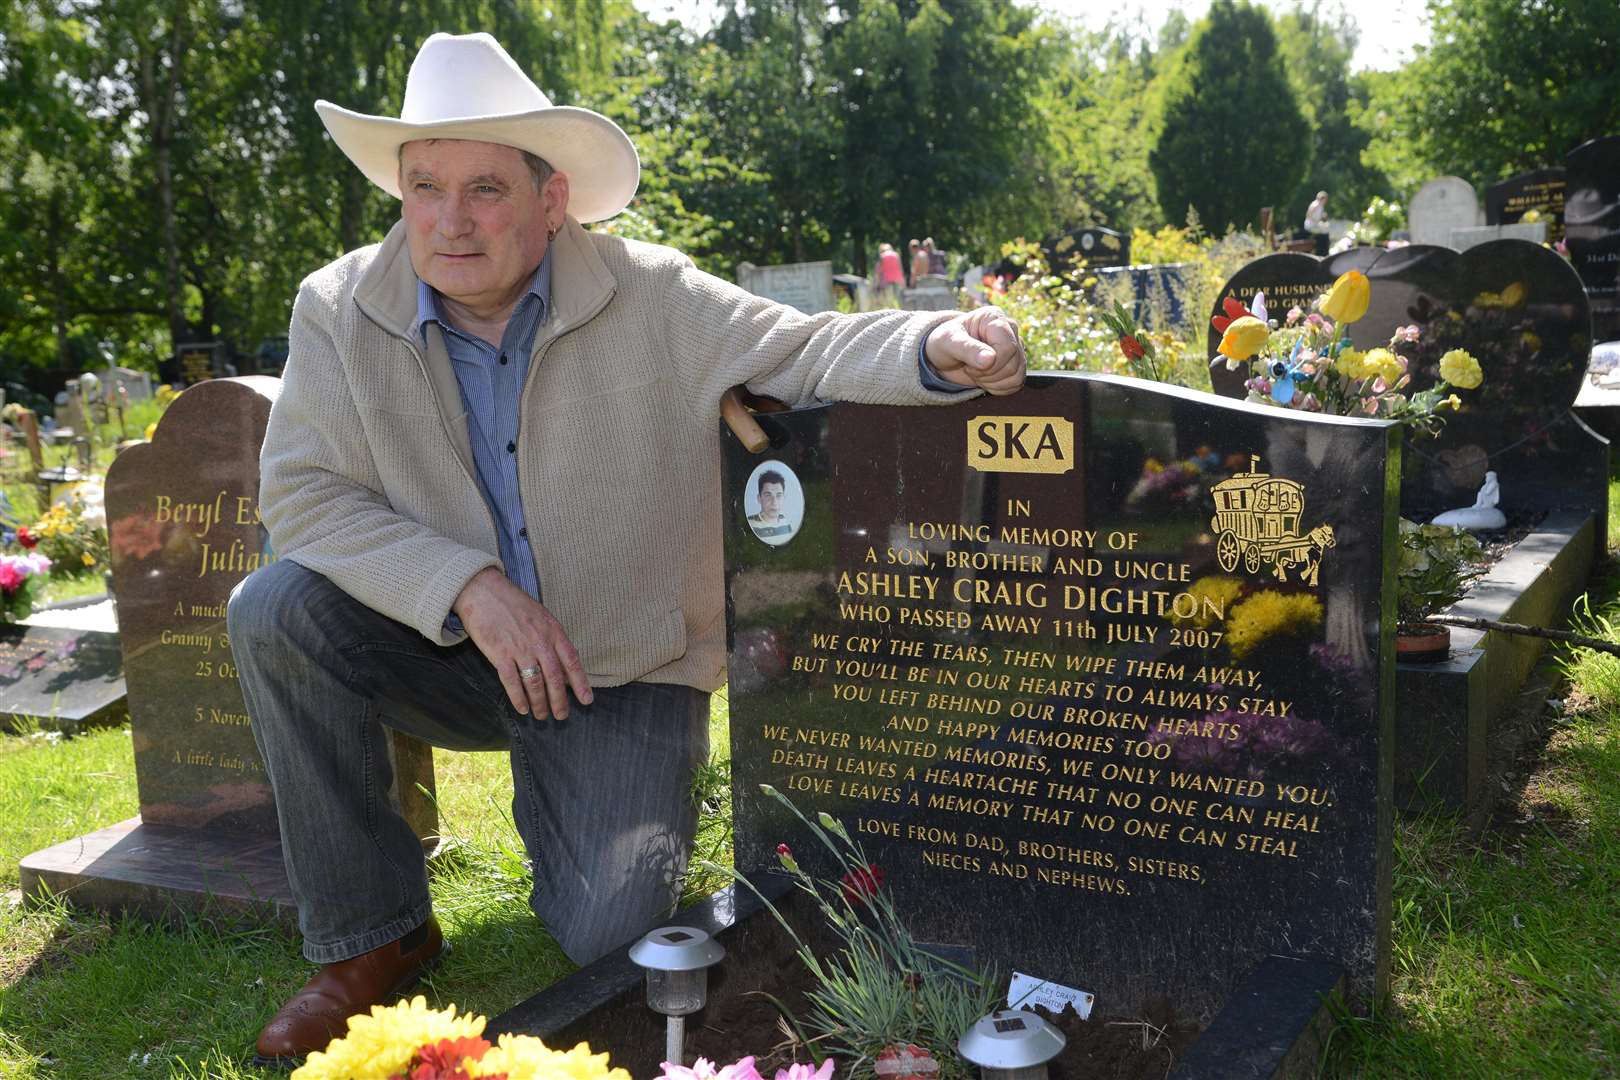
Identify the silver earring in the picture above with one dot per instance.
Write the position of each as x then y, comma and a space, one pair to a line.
551, 234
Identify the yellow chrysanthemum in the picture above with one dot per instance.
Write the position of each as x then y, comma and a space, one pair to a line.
1352, 364
1382, 362
382, 1043
1459, 368
1219, 591
524, 1057
1267, 614
89, 559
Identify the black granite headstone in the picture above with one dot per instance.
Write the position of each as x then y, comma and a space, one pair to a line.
1520, 310
1592, 226
1097, 674
1542, 191
1097, 246
61, 679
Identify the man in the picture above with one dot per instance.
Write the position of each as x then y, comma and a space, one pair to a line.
770, 524
455, 402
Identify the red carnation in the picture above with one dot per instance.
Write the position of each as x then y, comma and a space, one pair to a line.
27, 539
1131, 348
862, 883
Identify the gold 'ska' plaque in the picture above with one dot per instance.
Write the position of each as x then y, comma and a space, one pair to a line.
1022, 444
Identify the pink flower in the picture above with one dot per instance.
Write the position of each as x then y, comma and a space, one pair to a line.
797, 1071
11, 576
703, 1069
1408, 333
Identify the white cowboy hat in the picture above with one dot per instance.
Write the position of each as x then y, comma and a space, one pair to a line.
467, 87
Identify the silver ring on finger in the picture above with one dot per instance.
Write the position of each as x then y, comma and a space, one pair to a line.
529, 672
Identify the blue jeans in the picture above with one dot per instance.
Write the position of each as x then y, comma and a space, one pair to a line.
602, 800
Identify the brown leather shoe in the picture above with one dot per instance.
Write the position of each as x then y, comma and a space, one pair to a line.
319, 1012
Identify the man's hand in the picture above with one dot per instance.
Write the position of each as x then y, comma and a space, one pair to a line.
518, 635
980, 348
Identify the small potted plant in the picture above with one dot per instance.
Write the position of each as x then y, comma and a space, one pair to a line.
1437, 564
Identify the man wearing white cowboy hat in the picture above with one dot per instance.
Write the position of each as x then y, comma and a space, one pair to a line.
492, 478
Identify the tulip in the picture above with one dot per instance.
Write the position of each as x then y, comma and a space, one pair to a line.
1243, 338
1347, 300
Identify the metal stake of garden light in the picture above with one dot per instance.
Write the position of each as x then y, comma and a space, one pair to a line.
1011, 1044
677, 961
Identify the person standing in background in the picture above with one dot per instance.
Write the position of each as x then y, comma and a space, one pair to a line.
919, 261
890, 275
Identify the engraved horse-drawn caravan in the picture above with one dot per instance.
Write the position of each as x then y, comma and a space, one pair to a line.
1257, 522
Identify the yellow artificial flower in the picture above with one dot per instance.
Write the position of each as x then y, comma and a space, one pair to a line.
1269, 613
524, 1057
1530, 340
1352, 364
89, 559
1243, 338
1515, 294
1347, 300
381, 1044
1452, 402
1382, 362
1219, 591
1459, 368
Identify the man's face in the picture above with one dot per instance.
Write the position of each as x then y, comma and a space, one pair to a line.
770, 501
475, 224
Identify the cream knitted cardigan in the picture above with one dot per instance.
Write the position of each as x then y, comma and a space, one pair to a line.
367, 473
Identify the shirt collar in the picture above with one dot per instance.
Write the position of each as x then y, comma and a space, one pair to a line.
427, 298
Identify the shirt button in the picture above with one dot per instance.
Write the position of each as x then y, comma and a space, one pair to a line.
511, 448
503, 358
524, 532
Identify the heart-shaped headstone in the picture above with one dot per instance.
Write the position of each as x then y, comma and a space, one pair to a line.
1517, 307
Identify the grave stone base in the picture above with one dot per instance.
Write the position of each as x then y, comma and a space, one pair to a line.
1272, 1028
162, 872
1444, 712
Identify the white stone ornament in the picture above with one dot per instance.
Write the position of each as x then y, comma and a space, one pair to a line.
1483, 515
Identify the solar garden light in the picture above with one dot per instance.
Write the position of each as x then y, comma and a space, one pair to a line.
1011, 1044
677, 960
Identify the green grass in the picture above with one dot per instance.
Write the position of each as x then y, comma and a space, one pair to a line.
86, 996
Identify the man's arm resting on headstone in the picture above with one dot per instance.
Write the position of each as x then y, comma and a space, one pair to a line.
719, 336
322, 501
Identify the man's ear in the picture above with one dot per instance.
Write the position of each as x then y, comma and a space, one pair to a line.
555, 199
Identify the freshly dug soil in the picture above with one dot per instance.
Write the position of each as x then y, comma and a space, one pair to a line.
740, 1019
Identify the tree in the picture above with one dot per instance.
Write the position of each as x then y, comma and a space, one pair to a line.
1505, 86
1316, 45
1231, 136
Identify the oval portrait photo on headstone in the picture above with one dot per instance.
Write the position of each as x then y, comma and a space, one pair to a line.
774, 503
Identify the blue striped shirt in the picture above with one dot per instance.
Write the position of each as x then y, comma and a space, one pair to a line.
491, 382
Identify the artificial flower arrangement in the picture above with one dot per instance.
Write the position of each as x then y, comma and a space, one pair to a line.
410, 1041
1308, 362
72, 534
20, 579
880, 997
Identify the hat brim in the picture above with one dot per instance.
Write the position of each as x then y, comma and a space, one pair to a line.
602, 165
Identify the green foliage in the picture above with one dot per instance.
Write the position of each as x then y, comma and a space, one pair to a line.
1503, 87
1231, 136
1379, 222
1437, 564
1317, 47
881, 987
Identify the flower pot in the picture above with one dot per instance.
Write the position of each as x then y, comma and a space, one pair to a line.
1422, 643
